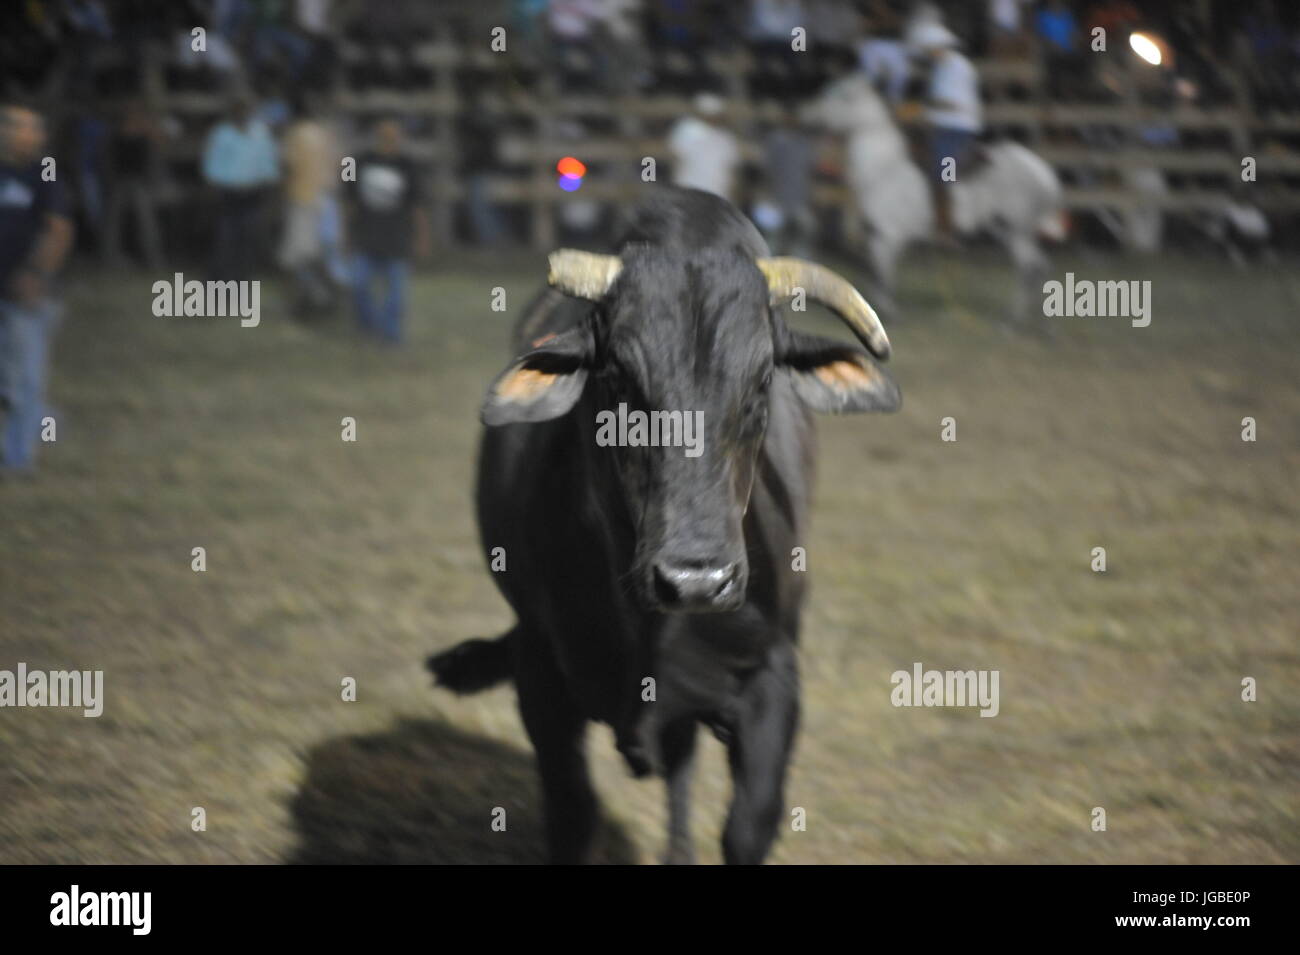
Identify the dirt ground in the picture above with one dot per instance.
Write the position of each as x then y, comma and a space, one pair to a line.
326, 560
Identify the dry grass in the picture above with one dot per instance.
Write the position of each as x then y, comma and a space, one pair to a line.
328, 560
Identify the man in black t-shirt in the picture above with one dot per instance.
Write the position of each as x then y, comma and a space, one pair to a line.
35, 235
388, 221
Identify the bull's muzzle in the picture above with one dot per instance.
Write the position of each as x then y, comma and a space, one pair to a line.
697, 587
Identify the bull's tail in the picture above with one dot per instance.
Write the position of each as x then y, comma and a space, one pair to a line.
474, 665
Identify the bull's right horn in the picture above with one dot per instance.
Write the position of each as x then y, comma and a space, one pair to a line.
583, 274
820, 284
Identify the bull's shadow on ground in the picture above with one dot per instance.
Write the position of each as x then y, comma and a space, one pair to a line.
423, 793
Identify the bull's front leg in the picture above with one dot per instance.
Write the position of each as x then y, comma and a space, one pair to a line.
557, 729
677, 747
760, 737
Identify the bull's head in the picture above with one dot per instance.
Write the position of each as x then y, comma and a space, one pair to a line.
694, 334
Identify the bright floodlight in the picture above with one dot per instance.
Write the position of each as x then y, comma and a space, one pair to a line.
1145, 47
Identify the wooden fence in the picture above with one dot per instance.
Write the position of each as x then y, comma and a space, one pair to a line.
1016, 104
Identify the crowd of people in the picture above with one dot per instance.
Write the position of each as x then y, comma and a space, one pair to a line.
283, 178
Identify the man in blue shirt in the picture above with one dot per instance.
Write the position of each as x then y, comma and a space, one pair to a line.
241, 161
35, 235
1058, 30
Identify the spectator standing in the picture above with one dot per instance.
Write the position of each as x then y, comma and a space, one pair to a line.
35, 235
240, 162
311, 170
882, 54
388, 223
133, 181
1059, 32
705, 153
789, 155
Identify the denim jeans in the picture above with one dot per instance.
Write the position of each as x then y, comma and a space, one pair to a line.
386, 320
237, 252
948, 143
25, 335
330, 230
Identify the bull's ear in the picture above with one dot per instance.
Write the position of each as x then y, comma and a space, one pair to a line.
835, 377
542, 383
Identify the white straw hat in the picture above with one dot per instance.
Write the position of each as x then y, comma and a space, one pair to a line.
930, 36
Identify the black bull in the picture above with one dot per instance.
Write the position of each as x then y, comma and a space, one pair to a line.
657, 590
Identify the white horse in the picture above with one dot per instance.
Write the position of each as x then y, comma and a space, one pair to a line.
1015, 195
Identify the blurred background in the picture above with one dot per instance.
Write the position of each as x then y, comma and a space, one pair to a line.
1158, 120
383, 167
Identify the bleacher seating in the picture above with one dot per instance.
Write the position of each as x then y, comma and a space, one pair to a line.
625, 128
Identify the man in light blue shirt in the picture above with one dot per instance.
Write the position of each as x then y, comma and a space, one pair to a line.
241, 163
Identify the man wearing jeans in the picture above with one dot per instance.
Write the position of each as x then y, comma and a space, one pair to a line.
240, 160
35, 235
953, 115
388, 218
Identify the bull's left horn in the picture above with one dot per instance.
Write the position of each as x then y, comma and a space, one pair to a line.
584, 274
820, 284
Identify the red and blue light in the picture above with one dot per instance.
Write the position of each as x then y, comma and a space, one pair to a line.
571, 171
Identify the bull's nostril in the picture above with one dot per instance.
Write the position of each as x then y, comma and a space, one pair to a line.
665, 588
694, 586
728, 581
